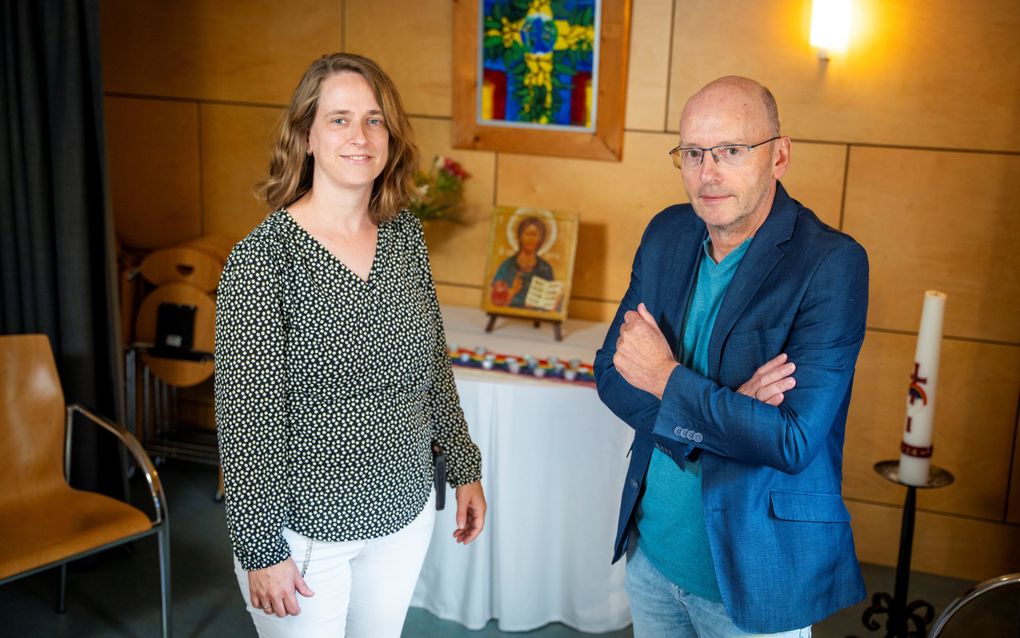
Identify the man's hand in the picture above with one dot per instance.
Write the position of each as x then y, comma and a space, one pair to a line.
643, 358
272, 589
770, 381
470, 512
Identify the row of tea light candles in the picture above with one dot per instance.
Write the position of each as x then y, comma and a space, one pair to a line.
528, 363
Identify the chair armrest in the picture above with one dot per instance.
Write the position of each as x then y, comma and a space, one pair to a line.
968, 597
133, 446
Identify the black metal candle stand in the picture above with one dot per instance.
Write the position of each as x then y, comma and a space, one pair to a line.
900, 614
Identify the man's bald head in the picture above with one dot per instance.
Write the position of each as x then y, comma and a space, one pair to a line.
760, 102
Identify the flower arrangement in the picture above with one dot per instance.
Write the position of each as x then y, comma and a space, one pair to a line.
440, 190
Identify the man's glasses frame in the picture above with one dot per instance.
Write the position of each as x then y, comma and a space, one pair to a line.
728, 154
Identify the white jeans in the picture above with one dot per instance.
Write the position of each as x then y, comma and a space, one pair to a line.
362, 588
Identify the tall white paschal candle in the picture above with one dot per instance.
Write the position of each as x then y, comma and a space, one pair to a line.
916, 448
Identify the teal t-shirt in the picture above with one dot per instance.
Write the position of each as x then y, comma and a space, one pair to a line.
670, 518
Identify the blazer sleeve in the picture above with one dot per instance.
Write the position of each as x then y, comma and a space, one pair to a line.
824, 341
637, 408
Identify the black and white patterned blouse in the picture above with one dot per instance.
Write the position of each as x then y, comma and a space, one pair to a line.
330, 388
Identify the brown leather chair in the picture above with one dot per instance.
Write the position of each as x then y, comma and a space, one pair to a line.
45, 523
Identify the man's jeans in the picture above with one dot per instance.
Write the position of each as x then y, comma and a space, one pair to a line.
660, 609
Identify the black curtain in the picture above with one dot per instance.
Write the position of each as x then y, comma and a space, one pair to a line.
57, 261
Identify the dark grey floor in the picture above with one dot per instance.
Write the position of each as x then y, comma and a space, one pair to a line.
119, 594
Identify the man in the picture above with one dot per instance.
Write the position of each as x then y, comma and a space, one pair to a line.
732, 356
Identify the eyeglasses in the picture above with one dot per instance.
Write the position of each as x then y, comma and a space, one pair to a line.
687, 157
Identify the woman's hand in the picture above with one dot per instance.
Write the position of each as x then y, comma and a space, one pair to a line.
470, 512
272, 589
770, 381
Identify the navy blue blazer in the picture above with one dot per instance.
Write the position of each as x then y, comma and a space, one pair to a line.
778, 529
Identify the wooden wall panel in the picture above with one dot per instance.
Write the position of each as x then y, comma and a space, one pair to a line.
412, 44
152, 148
974, 421
592, 310
236, 141
815, 178
234, 50
940, 220
457, 251
470, 296
945, 545
651, 23
936, 74
615, 200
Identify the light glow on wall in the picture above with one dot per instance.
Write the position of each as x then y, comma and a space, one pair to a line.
830, 26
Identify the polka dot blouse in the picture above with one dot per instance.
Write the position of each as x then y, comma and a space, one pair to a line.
330, 389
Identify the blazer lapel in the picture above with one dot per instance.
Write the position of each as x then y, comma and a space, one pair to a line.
761, 257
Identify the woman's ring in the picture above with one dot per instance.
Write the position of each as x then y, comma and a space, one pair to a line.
267, 608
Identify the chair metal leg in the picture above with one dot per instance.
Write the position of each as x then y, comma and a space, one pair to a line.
131, 395
62, 594
163, 538
147, 430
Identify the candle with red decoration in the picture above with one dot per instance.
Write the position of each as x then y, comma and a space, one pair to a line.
916, 447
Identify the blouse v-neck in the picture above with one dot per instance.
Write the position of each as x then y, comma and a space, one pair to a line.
330, 257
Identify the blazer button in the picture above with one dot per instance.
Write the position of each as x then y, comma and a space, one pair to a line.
678, 431
698, 438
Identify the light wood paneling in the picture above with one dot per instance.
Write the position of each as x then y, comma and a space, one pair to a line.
945, 545
937, 74
615, 201
651, 23
815, 178
940, 220
974, 421
152, 146
236, 50
459, 295
235, 156
592, 309
457, 251
411, 41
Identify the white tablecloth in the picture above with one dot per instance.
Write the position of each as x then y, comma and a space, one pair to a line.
554, 462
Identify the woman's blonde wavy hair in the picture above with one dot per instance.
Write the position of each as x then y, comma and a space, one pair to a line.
290, 166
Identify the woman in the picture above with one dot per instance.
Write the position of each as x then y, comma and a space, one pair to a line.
513, 277
332, 378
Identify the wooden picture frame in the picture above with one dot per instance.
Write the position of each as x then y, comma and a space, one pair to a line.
530, 263
603, 139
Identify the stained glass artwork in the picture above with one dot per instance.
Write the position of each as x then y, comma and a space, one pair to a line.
538, 63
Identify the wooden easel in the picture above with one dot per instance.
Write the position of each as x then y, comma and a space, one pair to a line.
557, 325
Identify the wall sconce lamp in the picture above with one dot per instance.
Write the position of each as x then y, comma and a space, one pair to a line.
830, 26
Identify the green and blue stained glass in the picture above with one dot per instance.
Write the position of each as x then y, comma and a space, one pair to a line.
538, 63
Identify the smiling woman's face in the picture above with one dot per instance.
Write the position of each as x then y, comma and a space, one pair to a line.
348, 139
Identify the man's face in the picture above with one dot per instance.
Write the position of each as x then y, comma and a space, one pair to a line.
530, 238
731, 198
